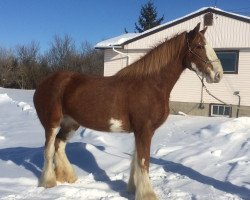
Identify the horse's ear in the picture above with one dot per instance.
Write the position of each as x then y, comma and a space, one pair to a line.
204, 30
194, 32
197, 28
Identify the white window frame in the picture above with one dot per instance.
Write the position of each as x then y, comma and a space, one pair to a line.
217, 114
236, 64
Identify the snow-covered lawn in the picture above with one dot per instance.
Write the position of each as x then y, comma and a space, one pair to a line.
191, 158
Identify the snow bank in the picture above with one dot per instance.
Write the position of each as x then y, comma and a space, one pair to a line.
24, 106
235, 126
4, 98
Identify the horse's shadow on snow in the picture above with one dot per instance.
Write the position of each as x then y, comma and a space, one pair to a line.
228, 187
84, 159
32, 160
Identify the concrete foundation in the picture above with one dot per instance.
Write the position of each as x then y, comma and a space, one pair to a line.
204, 109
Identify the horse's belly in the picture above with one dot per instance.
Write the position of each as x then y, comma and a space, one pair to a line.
107, 125
100, 119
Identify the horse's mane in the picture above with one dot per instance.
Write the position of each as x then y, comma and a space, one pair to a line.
156, 58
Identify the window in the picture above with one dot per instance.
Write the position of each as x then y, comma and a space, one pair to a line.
220, 110
229, 61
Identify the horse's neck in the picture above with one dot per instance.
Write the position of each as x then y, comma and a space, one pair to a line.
170, 75
172, 68
164, 64
171, 72
155, 61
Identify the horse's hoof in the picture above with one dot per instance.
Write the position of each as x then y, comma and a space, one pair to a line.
48, 184
71, 179
147, 196
63, 177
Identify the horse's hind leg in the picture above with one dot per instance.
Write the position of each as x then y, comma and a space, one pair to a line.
48, 177
63, 168
131, 183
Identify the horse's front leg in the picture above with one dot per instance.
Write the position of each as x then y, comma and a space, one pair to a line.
140, 167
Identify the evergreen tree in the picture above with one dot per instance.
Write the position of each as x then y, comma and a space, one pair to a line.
148, 18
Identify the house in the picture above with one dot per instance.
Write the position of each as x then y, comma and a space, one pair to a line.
229, 35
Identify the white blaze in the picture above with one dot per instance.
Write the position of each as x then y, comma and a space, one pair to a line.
217, 68
215, 74
210, 52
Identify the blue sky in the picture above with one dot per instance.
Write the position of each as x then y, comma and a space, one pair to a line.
23, 21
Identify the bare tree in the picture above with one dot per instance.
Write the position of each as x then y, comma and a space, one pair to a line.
24, 67
27, 70
61, 52
8, 64
27, 54
64, 55
92, 59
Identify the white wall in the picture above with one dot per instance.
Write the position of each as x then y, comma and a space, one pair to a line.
113, 62
188, 87
226, 33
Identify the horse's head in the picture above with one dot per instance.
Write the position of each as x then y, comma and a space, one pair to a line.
201, 57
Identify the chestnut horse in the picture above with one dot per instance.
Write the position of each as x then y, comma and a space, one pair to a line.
136, 99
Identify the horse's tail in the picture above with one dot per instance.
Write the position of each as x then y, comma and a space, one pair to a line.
48, 98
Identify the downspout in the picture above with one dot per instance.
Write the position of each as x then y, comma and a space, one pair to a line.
201, 105
121, 53
237, 93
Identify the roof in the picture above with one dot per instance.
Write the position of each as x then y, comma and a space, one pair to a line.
121, 40
116, 41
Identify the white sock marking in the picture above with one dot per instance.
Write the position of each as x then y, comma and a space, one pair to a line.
48, 175
141, 179
62, 163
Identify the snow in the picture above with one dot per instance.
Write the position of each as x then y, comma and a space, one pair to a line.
116, 41
191, 157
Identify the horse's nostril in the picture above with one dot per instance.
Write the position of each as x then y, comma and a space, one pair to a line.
217, 77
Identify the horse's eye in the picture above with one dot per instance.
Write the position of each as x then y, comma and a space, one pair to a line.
200, 46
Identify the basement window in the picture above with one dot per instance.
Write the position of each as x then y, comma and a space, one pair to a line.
229, 61
220, 110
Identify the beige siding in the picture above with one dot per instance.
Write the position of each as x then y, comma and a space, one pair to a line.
156, 38
226, 33
136, 54
223, 34
239, 82
188, 87
113, 62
